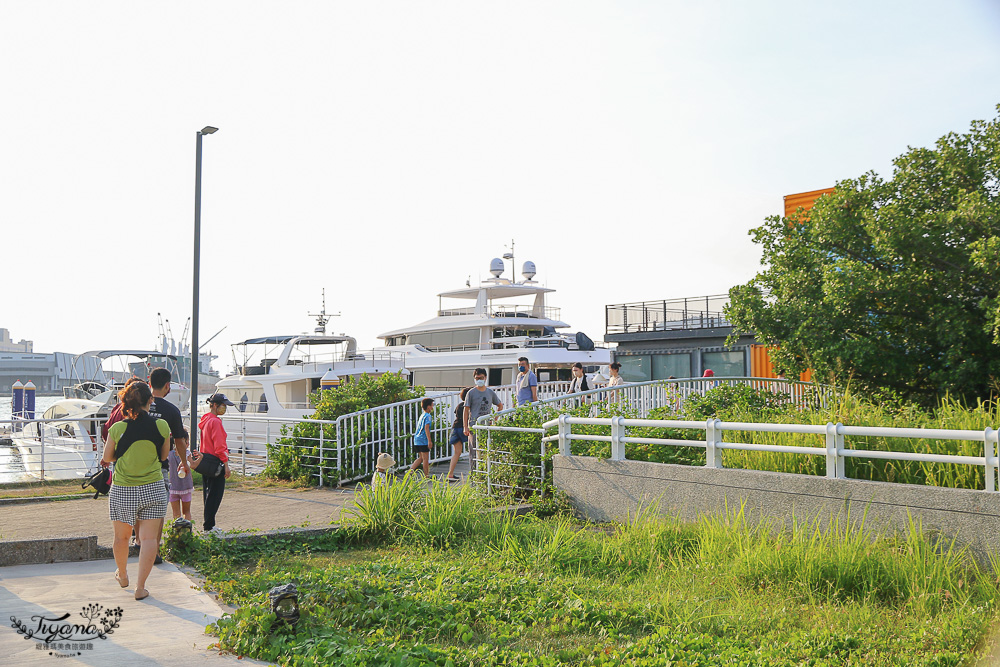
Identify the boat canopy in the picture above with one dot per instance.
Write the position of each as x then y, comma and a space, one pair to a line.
303, 339
496, 291
142, 354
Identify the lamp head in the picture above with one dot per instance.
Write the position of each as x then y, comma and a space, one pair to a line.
208, 129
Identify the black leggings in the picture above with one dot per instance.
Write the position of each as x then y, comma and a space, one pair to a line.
212, 494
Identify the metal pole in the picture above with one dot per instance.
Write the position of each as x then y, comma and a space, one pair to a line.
194, 294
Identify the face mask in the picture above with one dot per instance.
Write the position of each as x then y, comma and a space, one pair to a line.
521, 368
480, 383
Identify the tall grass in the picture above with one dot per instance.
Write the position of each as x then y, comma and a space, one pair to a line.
856, 411
839, 561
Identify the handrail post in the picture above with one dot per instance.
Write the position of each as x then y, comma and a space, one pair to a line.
841, 461
564, 441
243, 427
321, 443
713, 455
340, 448
832, 459
988, 451
617, 446
41, 445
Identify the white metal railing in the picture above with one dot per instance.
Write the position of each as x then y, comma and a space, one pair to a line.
834, 450
39, 449
639, 398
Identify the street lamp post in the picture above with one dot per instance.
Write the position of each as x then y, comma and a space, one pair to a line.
208, 129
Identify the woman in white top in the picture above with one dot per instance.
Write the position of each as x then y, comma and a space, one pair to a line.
616, 379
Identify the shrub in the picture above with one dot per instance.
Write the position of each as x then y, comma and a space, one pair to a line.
298, 455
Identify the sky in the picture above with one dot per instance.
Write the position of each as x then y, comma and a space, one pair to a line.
388, 151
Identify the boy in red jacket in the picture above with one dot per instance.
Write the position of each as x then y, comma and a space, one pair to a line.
213, 441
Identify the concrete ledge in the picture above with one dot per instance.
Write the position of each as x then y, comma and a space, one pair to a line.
604, 490
54, 550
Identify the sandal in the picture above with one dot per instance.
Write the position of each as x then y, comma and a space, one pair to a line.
145, 594
123, 584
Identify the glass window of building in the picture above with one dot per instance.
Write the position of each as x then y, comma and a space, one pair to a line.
725, 364
635, 367
665, 365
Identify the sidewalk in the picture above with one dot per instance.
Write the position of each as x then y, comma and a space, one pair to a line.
262, 509
167, 628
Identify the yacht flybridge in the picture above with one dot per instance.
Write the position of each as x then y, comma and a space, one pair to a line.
492, 333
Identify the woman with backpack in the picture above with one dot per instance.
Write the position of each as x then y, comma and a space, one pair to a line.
138, 498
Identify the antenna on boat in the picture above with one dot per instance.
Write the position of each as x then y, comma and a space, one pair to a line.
322, 317
510, 256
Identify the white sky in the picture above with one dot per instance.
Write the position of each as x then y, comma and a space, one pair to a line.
387, 151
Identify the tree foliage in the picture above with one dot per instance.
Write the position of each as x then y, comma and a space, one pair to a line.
890, 283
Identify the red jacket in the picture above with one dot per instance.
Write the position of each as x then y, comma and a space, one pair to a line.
115, 416
213, 436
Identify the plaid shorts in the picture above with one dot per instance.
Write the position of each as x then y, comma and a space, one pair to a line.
131, 503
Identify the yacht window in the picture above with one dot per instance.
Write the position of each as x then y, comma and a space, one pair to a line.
446, 341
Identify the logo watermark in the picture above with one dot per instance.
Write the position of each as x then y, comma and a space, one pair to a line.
61, 634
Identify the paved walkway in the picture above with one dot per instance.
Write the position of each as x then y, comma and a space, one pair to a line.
262, 509
167, 628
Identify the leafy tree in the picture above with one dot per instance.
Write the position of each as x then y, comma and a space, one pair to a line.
892, 283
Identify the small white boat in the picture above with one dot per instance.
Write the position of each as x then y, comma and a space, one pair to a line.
65, 442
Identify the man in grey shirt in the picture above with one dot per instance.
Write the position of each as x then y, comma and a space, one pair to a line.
479, 401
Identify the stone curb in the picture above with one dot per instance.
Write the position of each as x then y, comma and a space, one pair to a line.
41, 499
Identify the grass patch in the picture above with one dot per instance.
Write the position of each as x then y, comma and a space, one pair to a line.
432, 580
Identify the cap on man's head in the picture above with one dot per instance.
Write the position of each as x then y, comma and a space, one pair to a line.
220, 398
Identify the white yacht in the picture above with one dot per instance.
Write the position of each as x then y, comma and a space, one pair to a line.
71, 444
276, 374
443, 351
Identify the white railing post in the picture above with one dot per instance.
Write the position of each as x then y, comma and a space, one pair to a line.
841, 460
267, 441
564, 441
713, 455
832, 459
541, 482
41, 446
617, 446
340, 450
243, 426
321, 443
988, 451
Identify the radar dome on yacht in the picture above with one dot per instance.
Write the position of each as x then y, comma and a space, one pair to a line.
496, 267
528, 270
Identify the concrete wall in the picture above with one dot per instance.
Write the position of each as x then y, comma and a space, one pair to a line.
605, 490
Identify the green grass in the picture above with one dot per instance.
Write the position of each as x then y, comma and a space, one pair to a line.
435, 580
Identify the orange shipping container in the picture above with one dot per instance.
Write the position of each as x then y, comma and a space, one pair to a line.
804, 200
761, 366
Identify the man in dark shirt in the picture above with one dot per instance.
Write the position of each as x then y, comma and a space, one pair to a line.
159, 382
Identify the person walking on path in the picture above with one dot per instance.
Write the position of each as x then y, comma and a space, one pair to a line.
526, 383
159, 382
579, 381
478, 402
458, 436
422, 438
138, 498
213, 441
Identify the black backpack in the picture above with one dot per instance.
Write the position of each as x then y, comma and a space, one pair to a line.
100, 481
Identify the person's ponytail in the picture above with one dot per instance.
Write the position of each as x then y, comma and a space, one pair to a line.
134, 399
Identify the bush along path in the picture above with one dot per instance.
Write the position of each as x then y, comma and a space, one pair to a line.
431, 578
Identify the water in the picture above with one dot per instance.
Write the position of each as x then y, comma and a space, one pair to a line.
42, 403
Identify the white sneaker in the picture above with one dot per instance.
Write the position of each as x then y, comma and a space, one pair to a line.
215, 531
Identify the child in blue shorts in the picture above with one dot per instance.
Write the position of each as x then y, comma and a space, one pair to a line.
422, 438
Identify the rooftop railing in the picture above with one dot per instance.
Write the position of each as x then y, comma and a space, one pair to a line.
527, 311
703, 312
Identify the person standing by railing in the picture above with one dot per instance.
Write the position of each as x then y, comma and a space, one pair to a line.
526, 383
479, 402
458, 435
579, 381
